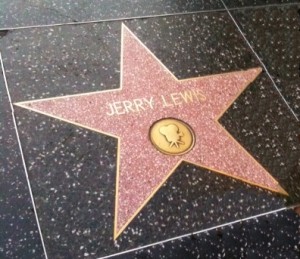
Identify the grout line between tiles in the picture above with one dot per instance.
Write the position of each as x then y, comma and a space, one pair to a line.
260, 60
145, 16
111, 20
22, 156
197, 232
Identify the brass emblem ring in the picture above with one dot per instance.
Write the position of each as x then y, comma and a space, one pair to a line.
172, 136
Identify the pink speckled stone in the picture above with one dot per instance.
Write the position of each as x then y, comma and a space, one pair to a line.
142, 169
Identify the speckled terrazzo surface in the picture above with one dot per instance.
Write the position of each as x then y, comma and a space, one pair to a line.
28, 13
251, 3
19, 236
73, 168
274, 34
258, 238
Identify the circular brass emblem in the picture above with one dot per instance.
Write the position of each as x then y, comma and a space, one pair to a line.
171, 136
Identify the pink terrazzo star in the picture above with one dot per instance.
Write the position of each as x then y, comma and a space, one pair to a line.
150, 92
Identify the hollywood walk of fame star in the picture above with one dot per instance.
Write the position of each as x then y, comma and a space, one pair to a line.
148, 93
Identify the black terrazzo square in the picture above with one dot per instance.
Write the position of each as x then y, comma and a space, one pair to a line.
19, 236
255, 3
274, 34
18, 13
273, 236
72, 170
